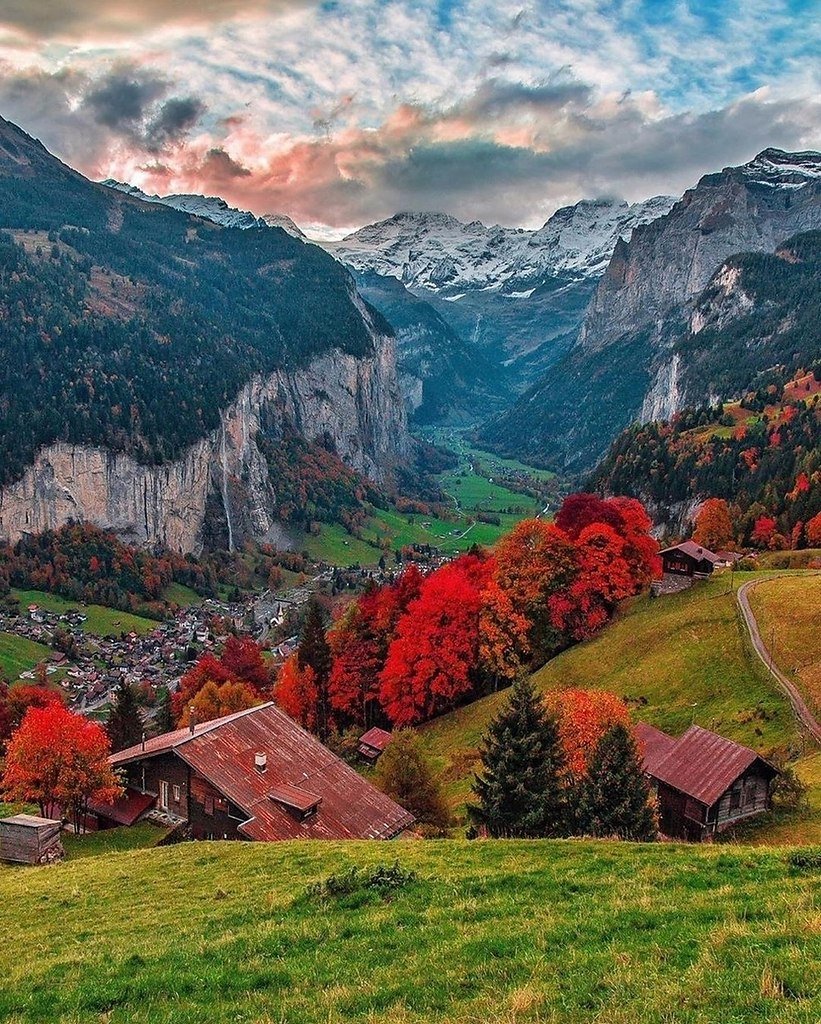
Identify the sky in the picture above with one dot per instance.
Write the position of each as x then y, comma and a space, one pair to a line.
342, 113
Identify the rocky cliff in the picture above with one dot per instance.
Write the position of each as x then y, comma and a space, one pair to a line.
354, 402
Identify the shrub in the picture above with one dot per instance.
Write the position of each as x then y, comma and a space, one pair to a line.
382, 881
808, 859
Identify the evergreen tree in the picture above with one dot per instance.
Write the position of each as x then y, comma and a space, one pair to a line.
614, 797
404, 774
315, 653
125, 724
165, 716
520, 787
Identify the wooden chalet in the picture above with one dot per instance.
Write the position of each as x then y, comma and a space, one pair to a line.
29, 839
372, 743
704, 782
252, 775
689, 559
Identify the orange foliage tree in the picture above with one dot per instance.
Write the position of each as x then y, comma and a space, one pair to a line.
433, 661
813, 531
215, 701
297, 694
584, 716
713, 527
241, 662
57, 759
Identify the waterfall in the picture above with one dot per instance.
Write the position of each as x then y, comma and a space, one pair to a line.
226, 504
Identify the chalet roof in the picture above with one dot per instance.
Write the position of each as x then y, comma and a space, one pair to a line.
376, 738
654, 744
689, 547
126, 809
703, 764
297, 766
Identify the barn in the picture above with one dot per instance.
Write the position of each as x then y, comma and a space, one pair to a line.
372, 744
252, 775
704, 782
689, 559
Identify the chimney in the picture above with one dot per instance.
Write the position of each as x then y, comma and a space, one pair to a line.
261, 763
192, 718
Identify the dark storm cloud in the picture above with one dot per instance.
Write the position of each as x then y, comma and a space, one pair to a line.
218, 166
122, 99
175, 118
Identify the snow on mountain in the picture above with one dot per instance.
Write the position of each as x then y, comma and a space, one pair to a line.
212, 208
776, 168
442, 254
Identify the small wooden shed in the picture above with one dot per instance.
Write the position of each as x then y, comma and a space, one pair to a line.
28, 839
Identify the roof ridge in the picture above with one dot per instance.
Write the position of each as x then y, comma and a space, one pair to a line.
216, 723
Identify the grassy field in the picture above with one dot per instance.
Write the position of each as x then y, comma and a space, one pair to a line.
141, 836
488, 931
177, 593
100, 621
788, 612
678, 659
19, 654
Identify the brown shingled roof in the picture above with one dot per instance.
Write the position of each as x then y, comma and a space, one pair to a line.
297, 765
689, 547
703, 764
376, 738
654, 745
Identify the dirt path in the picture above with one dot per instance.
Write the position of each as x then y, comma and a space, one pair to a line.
799, 705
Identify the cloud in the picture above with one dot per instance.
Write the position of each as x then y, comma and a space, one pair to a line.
107, 19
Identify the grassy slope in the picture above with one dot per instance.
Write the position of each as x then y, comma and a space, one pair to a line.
100, 621
505, 932
788, 611
19, 654
685, 655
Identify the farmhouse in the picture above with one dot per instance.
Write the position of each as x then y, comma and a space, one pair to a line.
704, 782
689, 559
251, 775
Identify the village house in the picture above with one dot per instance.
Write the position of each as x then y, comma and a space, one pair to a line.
704, 782
689, 559
251, 775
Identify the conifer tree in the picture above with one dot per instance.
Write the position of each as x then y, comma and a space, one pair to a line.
614, 797
520, 786
314, 652
165, 715
125, 724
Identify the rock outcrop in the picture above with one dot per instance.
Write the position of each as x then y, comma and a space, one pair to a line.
353, 401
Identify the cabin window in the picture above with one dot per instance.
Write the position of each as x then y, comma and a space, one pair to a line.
177, 794
735, 799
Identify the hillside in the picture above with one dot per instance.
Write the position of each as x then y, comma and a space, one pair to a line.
507, 931
676, 660
762, 454
679, 318
143, 336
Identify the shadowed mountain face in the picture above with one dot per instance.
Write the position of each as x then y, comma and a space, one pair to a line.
635, 357
139, 331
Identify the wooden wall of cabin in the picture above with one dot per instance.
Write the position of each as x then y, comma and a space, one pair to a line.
146, 776
210, 815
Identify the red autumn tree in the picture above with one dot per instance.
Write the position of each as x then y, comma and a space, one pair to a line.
503, 634
297, 694
713, 528
813, 531
57, 759
534, 561
432, 662
207, 668
242, 657
642, 550
21, 698
580, 510
359, 645
763, 531
584, 716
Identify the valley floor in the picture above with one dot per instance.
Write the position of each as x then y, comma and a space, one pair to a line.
566, 932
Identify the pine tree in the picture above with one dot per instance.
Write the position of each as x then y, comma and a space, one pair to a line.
520, 787
614, 797
404, 774
125, 724
315, 653
165, 716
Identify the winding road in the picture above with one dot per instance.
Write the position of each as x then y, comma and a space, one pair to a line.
799, 705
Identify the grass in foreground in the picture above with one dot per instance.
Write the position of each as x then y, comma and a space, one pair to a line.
100, 621
492, 931
677, 659
788, 612
141, 836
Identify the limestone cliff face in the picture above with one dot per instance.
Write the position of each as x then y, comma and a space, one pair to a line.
353, 400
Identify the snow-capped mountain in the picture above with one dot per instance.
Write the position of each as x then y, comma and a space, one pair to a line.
212, 208
441, 254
